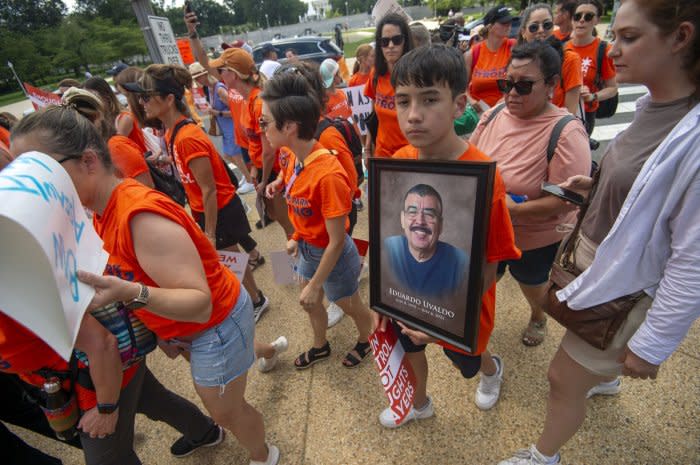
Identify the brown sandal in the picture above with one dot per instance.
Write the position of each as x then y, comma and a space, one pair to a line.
534, 334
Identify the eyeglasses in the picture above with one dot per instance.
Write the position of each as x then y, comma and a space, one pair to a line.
587, 17
546, 26
396, 40
431, 215
264, 124
521, 87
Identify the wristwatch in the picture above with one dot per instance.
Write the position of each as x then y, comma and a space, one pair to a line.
106, 409
595, 96
140, 300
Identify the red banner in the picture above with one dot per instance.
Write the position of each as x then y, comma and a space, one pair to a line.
41, 98
395, 371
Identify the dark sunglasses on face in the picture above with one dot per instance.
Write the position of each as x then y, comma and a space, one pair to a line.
397, 40
146, 96
521, 87
587, 17
546, 25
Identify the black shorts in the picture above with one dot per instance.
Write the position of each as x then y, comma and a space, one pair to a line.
245, 155
270, 180
232, 226
468, 365
533, 267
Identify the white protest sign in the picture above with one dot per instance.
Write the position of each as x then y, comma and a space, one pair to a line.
237, 262
46, 239
361, 105
384, 7
165, 39
284, 268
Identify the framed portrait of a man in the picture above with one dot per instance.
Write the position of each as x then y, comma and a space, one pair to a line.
428, 229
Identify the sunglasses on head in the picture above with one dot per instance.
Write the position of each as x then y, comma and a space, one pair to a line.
521, 87
546, 25
396, 40
587, 17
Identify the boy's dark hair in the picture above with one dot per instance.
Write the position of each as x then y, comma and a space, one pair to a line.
427, 66
380, 65
568, 6
546, 57
290, 97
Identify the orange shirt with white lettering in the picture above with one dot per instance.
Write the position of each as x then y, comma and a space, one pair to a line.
126, 156
358, 79
23, 353
500, 243
389, 136
136, 133
338, 106
251, 124
489, 67
237, 106
192, 142
316, 193
571, 78
589, 65
332, 139
130, 198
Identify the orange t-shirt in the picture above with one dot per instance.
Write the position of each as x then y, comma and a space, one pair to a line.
23, 353
136, 133
500, 243
589, 65
126, 156
560, 35
4, 136
338, 106
571, 78
190, 143
251, 124
489, 67
131, 198
237, 106
358, 79
332, 139
320, 191
389, 135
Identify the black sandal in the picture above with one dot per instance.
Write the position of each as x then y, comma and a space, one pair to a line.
312, 356
362, 349
256, 262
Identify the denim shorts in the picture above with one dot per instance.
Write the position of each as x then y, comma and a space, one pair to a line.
343, 280
533, 267
225, 352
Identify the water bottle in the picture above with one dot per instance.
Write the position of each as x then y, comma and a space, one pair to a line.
61, 410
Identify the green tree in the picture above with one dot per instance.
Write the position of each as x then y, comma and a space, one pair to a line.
212, 17
30, 15
279, 11
25, 55
116, 11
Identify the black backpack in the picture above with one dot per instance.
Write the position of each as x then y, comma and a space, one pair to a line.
352, 139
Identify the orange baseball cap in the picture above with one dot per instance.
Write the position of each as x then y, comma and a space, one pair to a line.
236, 59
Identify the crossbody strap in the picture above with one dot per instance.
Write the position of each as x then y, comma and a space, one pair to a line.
171, 144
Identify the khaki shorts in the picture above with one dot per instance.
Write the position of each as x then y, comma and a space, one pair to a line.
602, 362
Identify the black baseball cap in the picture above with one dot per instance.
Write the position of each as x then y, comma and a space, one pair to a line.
116, 69
162, 86
498, 14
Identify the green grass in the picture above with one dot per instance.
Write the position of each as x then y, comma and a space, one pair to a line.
351, 47
13, 97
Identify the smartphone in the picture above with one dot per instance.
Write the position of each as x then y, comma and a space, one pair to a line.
564, 194
188, 7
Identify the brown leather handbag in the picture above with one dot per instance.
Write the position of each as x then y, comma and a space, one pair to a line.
596, 325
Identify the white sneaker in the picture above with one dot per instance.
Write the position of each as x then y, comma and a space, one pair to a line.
530, 456
489, 388
273, 456
335, 314
266, 364
388, 418
610, 388
245, 187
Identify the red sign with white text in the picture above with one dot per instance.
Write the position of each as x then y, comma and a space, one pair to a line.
41, 98
395, 372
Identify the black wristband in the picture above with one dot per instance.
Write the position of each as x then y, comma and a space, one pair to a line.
107, 408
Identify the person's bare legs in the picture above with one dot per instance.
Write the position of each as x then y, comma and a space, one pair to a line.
240, 164
263, 349
356, 309
248, 280
277, 210
566, 403
488, 366
230, 410
535, 296
419, 362
318, 317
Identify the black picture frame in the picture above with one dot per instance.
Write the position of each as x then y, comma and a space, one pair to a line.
449, 306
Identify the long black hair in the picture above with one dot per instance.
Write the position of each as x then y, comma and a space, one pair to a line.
380, 65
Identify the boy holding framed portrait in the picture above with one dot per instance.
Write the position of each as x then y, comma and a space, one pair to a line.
430, 83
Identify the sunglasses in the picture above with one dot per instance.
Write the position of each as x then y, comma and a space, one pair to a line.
587, 17
546, 26
521, 87
396, 40
145, 97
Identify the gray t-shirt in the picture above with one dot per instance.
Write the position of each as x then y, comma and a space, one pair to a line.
624, 159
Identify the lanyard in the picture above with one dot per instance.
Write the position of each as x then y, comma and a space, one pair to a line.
299, 167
